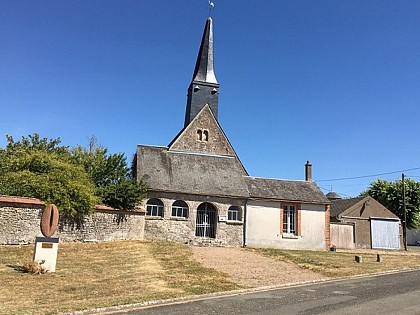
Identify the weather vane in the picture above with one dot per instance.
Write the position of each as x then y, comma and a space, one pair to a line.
211, 7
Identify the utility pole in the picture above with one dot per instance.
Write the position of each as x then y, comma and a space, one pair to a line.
405, 214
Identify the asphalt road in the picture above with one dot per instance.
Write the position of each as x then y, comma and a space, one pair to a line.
397, 293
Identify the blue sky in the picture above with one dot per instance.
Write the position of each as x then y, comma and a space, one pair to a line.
333, 82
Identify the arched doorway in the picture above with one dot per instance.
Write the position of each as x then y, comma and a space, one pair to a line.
205, 224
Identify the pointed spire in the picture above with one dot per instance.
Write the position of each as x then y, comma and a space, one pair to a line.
204, 88
204, 67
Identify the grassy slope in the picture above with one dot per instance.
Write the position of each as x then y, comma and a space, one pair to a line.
103, 274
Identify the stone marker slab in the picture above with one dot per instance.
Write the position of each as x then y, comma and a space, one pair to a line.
46, 248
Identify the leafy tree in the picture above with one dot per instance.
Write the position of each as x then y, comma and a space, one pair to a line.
41, 168
116, 187
390, 195
124, 194
73, 179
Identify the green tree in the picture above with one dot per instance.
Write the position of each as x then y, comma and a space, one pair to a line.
116, 187
42, 168
390, 195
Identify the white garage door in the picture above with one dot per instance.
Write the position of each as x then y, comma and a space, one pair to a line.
385, 233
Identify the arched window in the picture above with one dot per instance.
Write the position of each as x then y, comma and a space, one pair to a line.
199, 135
234, 213
180, 209
205, 135
154, 208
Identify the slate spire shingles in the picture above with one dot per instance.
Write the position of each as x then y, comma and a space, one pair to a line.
204, 67
204, 88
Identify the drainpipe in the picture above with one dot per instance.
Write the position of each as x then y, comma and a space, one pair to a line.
245, 223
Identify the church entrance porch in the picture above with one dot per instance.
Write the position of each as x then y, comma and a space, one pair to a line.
206, 221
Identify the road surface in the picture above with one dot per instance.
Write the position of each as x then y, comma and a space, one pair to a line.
396, 293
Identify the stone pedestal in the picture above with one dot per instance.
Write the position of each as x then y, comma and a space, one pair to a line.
46, 248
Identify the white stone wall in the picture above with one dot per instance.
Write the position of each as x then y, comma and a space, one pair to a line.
264, 230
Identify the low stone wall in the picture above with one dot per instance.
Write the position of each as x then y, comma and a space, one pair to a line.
104, 225
19, 219
20, 223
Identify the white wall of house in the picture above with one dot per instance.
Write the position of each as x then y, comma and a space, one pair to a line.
264, 230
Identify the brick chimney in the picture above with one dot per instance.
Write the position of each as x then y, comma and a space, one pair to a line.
308, 171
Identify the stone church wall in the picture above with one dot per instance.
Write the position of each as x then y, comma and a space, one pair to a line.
216, 143
20, 223
228, 233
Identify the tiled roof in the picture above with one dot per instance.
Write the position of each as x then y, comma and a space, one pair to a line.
21, 200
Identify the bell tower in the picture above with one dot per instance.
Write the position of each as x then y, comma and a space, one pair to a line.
204, 88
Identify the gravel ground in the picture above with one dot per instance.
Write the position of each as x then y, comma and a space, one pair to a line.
251, 269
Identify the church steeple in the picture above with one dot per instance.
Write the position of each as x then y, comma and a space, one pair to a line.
204, 88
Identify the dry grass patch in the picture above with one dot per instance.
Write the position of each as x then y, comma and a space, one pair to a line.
103, 274
186, 273
341, 264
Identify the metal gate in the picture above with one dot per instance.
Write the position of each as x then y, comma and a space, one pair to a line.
385, 233
206, 221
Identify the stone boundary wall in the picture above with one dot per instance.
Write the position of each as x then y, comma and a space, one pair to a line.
19, 219
20, 223
106, 224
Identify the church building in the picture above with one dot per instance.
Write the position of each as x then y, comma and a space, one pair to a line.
200, 193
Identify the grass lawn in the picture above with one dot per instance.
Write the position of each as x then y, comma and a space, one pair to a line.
342, 264
91, 275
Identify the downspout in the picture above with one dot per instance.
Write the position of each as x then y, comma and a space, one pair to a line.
245, 224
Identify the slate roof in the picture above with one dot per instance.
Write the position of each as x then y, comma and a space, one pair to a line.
333, 196
191, 173
215, 175
278, 189
341, 205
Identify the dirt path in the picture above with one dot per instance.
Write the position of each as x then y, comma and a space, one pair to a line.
251, 269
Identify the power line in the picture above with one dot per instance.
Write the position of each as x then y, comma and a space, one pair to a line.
367, 176
337, 192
